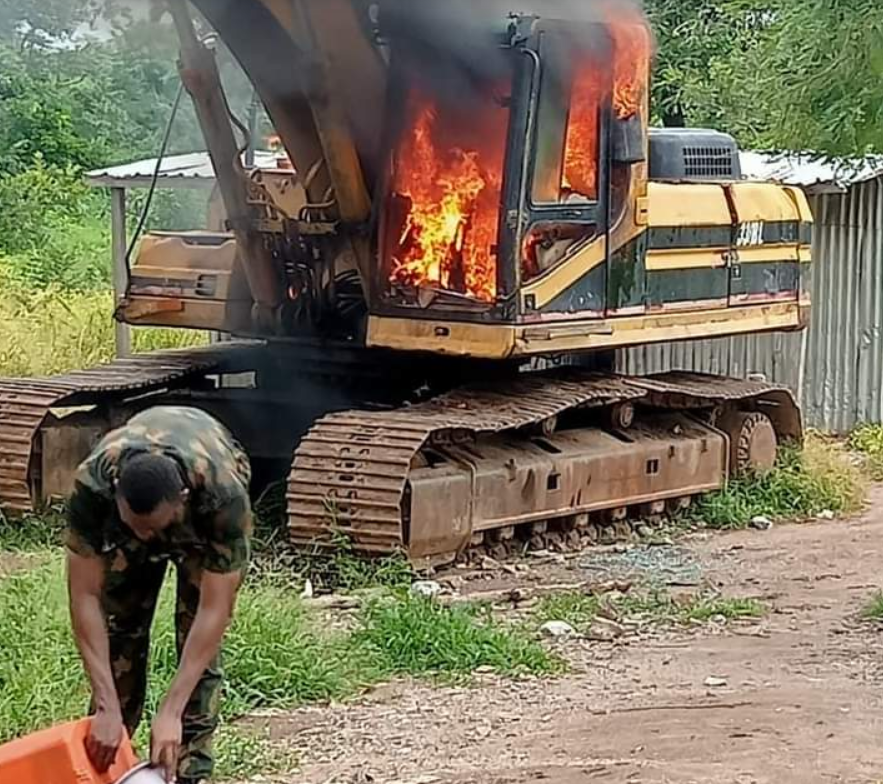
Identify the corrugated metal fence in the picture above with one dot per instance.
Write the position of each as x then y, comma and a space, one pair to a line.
836, 367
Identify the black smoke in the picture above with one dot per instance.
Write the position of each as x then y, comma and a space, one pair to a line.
456, 43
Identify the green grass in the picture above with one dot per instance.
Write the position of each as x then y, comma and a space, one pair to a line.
277, 655
340, 569
731, 609
343, 570
49, 331
243, 750
414, 636
580, 610
867, 440
874, 609
31, 534
803, 484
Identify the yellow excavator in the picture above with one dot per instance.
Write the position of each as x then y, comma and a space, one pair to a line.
427, 304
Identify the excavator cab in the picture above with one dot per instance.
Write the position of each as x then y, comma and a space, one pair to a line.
499, 170
494, 186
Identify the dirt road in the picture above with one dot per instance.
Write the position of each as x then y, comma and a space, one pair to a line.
802, 700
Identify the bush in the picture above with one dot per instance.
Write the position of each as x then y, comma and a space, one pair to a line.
803, 484
38, 198
867, 440
74, 257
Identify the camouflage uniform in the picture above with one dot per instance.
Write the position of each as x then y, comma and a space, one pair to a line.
214, 536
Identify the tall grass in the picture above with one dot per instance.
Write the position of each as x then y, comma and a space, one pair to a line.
804, 483
49, 331
276, 654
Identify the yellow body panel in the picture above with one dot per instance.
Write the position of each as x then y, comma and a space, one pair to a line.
504, 341
687, 204
687, 258
769, 253
801, 202
554, 281
762, 201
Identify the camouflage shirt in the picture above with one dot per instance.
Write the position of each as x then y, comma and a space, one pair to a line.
218, 521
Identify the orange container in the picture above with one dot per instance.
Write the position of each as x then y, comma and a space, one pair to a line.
58, 756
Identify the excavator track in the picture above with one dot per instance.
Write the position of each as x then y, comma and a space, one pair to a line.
27, 407
422, 480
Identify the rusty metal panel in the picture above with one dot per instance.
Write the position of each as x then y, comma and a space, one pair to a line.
26, 403
836, 367
440, 518
64, 446
513, 482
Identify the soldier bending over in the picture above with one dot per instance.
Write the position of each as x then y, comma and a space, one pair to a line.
170, 486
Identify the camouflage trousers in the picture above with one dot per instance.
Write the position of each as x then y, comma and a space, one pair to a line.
133, 578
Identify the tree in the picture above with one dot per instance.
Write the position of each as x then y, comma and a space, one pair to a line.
778, 74
37, 117
818, 76
698, 43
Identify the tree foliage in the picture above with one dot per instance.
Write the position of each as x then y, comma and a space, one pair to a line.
818, 74
74, 97
698, 43
779, 74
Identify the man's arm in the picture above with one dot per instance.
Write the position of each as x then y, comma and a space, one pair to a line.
85, 583
217, 598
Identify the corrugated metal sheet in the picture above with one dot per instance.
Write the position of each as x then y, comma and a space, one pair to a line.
836, 367
195, 166
810, 172
814, 174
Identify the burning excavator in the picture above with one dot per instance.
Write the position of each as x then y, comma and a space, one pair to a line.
428, 304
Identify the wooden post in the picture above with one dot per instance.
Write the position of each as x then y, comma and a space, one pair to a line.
120, 272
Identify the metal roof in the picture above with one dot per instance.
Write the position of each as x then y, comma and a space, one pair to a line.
810, 172
190, 170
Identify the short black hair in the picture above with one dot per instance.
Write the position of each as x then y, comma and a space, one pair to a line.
146, 480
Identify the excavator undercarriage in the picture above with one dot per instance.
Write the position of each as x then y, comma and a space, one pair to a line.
564, 457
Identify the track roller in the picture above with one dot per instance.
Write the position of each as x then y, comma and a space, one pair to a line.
753, 441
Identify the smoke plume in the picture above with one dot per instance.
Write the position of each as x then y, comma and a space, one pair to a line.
458, 39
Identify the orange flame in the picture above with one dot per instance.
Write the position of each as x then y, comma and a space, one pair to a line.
631, 61
449, 235
631, 64
580, 173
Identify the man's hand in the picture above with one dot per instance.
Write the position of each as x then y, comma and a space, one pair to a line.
104, 739
85, 585
165, 742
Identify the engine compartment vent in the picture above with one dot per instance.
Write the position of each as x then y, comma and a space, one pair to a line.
709, 162
693, 154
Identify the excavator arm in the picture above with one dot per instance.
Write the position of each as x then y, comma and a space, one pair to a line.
322, 81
